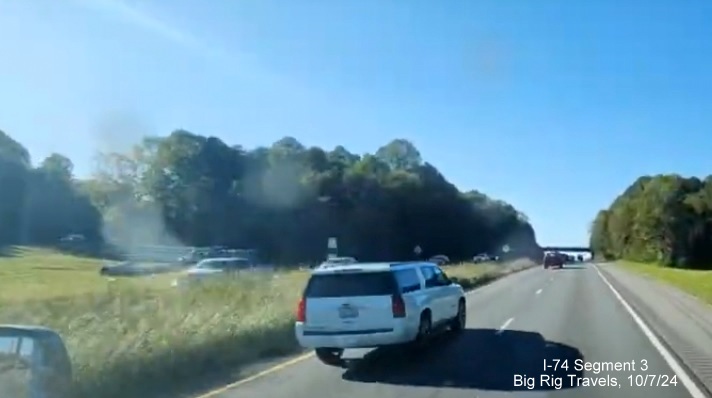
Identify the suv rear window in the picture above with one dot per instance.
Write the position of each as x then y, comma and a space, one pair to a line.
351, 284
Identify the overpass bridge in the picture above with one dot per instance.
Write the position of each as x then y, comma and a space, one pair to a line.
576, 249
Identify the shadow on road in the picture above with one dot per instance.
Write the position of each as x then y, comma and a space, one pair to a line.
476, 359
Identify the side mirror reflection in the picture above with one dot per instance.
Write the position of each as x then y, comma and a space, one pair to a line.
33, 363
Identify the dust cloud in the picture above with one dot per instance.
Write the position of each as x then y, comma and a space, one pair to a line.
119, 131
280, 185
131, 222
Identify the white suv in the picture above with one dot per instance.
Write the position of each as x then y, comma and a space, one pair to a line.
376, 304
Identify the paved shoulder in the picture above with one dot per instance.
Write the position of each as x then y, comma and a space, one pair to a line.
579, 310
680, 320
530, 334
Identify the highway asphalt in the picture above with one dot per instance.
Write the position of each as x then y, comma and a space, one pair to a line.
514, 325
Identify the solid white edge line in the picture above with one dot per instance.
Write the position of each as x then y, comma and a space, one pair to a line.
689, 384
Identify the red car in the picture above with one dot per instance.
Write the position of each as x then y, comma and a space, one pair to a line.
553, 260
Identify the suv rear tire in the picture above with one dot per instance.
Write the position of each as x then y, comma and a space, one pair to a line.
458, 324
425, 330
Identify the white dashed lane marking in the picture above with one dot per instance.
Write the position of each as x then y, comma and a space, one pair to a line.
504, 325
538, 291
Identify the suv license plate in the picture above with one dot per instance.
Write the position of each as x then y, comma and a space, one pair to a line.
348, 312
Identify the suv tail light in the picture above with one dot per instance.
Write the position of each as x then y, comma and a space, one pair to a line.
302, 310
398, 306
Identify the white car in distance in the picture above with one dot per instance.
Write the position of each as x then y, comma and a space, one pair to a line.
217, 267
376, 304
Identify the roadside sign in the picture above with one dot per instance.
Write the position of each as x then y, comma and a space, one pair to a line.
331, 248
417, 250
505, 248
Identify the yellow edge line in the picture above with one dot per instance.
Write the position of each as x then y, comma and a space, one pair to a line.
256, 376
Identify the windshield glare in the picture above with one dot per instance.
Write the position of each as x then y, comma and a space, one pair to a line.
172, 174
351, 284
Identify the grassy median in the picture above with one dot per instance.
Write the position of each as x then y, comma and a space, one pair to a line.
139, 337
696, 282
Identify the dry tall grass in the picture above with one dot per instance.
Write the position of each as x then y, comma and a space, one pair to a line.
139, 338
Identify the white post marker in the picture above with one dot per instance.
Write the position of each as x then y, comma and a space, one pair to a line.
332, 248
332, 244
417, 250
505, 249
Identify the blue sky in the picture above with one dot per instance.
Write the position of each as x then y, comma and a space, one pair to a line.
553, 105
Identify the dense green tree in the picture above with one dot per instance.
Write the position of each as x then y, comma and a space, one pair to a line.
663, 218
284, 200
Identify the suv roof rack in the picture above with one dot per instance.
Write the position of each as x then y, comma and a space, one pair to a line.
397, 263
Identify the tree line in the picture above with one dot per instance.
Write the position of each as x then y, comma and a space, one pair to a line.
665, 219
284, 200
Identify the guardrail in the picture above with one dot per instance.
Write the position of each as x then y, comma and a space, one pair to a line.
170, 254
157, 253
